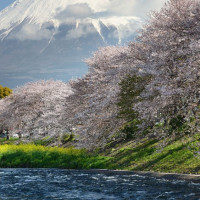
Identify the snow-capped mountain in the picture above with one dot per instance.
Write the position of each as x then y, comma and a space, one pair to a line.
48, 38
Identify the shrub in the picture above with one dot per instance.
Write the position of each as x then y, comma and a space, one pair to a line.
67, 137
4, 92
44, 141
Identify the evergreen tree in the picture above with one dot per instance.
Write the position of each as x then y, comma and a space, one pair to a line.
4, 92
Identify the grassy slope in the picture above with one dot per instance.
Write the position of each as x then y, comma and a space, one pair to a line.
180, 156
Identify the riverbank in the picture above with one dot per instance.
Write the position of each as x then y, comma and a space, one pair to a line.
162, 156
37, 156
171, 176
169, 155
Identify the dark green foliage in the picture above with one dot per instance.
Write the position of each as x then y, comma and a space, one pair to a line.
176, 122
131, 129
4, 92
178, 125
44, 141
130, 89
67, 137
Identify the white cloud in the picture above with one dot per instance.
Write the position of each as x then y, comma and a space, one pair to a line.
126, 7
97, 5
75, 11
81, 31
32, 32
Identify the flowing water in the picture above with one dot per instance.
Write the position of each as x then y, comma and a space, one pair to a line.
50, 184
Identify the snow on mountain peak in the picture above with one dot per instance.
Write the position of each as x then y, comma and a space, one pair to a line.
33, 14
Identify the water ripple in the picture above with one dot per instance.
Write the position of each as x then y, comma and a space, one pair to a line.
55, 184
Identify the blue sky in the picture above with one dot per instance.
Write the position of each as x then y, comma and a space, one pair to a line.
5, 3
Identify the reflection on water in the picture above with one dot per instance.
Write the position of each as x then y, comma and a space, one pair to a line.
50, 184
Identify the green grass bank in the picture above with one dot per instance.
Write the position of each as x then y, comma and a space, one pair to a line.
37, 156
174, 156
170, 156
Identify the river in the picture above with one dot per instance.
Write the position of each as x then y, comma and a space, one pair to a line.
58, 184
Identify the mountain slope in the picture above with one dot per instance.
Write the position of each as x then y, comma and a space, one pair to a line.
57, 12
44, 39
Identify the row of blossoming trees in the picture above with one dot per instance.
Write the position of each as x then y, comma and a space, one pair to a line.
155, 79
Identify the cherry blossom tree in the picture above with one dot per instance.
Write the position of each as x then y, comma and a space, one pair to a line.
35, 109
93, 110
166, 51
